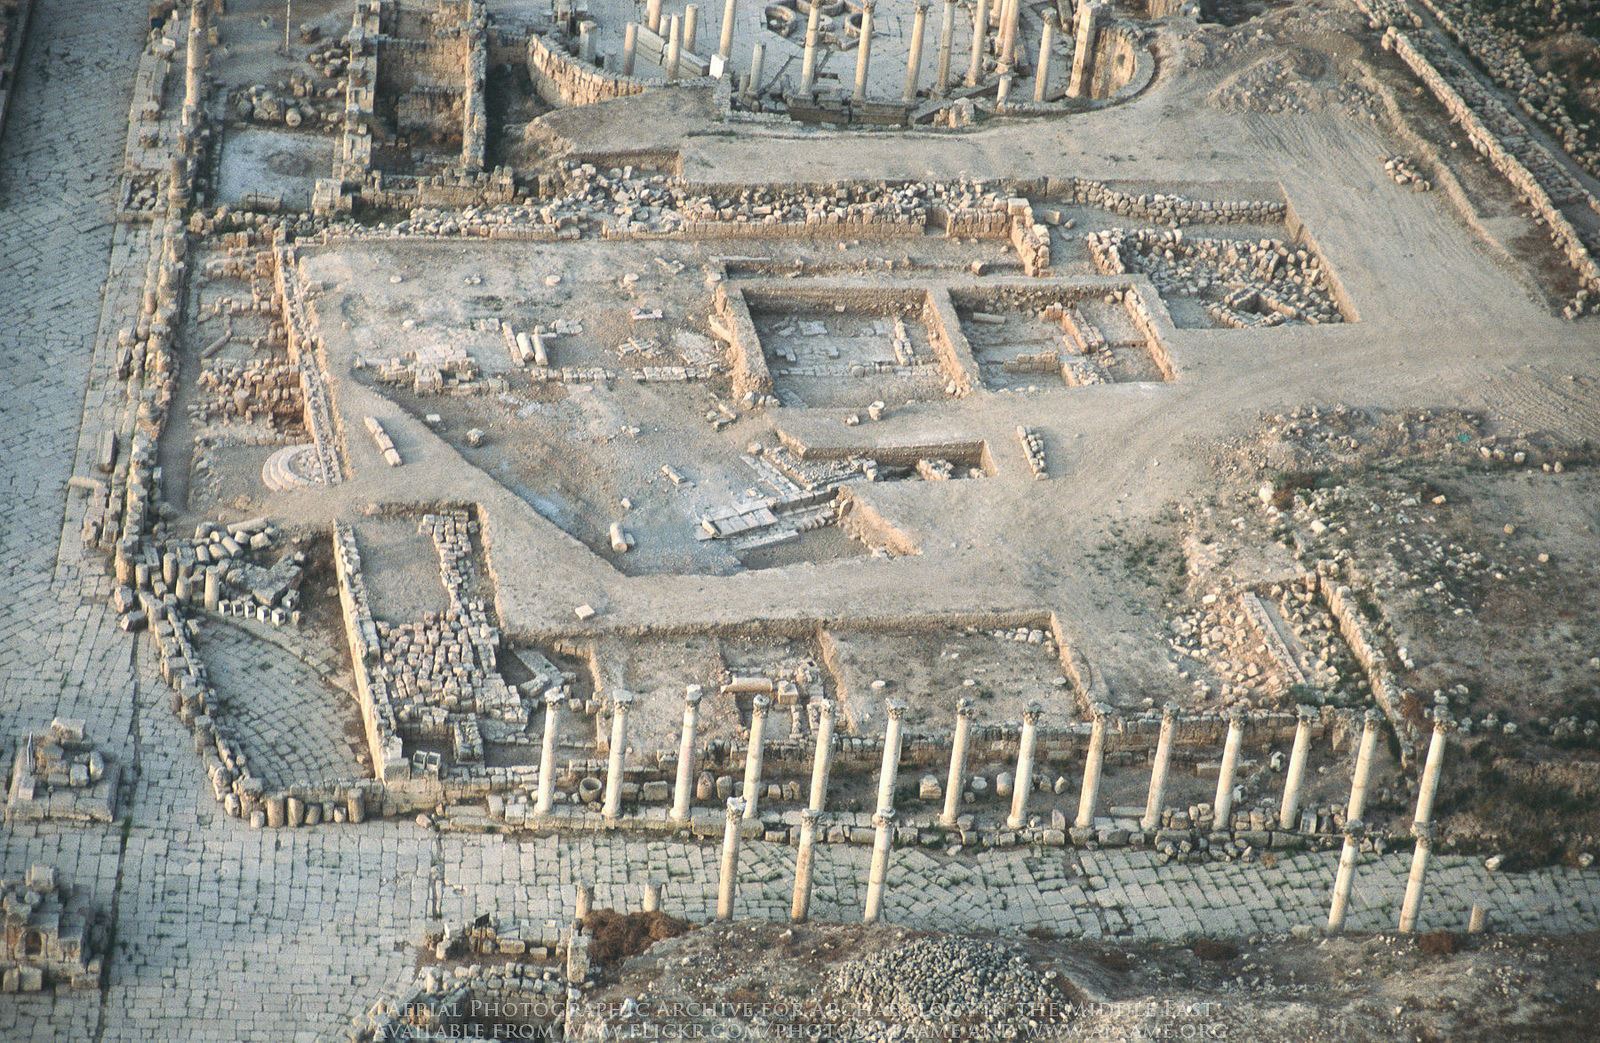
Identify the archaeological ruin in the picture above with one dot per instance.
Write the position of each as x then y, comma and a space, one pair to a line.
869, 518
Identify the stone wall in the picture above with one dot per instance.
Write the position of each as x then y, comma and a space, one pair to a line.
562, 80
1493, 147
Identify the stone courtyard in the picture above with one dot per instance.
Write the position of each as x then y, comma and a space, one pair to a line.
1047, 473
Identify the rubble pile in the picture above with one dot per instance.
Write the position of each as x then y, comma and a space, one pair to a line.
1246, 283
50, 936
259, 390
60, 774
939, 982
441, 670
1405, 172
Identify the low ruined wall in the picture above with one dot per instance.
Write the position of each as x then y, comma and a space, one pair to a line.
949, 343
372, 692
750, 373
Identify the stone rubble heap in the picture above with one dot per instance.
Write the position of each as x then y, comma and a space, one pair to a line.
1405, 172
938, 983
51, 938
60, 774
1246, 283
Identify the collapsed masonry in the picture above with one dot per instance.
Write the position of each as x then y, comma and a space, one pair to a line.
59, 774
52, 938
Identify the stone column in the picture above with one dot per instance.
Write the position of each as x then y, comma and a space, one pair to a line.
882, 841
1156, 801
808, 64
980, 21
1363, 773
1222, 805
1429, 786
674, 47
752, 755
725, 45
1082, 79
213, 589
1354, 830
1047, 41
890, 769
727, 883
1089, 796
757, 57
683, 789
822, 760
584, 903
800, 908
547, 752
1003, 91
957, 779
947, 37
195, 64
1023, 783
1422, 825
1289, 810
919, 25
864, 51
652, 897
1412, 903
630, 45
652, 15
1008, 33
691, 26
619, 744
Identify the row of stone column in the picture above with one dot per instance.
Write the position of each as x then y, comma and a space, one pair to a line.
1008, 15
747, 807
1421, 826
1089, 795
